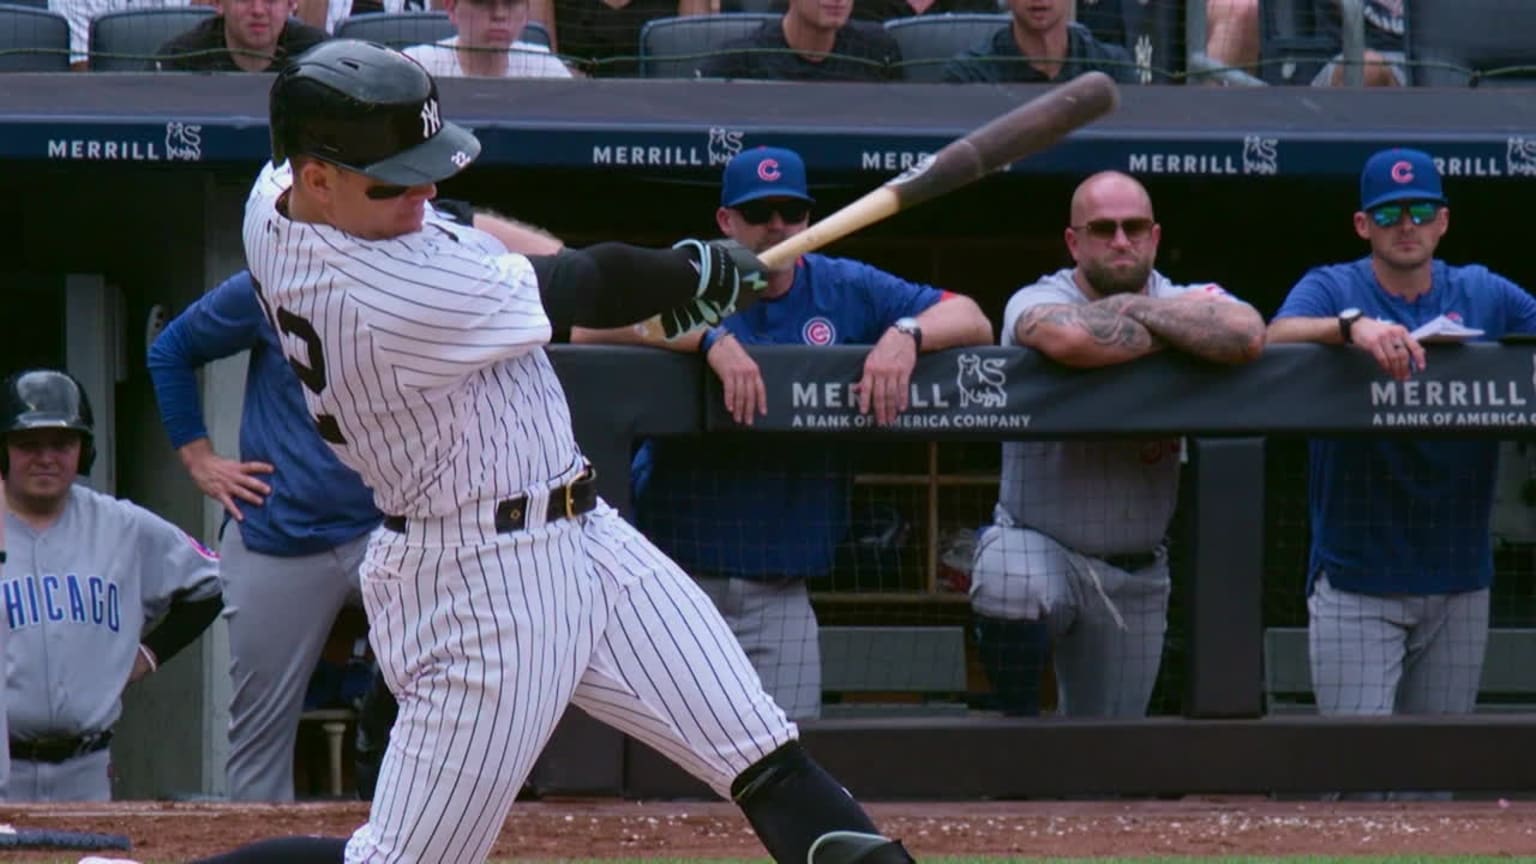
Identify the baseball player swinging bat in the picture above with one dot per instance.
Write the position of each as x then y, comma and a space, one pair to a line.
1028, 129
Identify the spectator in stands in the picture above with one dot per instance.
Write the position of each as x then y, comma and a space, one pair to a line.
753, 520
1232, 33
80, 13
1077, 550
886, 10
603, 36
1385, 49
246, 36
813, 41
1401, 558
488, 44
1040, 45
327, 14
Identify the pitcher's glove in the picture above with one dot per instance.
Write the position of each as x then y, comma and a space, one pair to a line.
730, 280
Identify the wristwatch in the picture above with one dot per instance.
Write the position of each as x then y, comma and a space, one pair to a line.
1347, 320
909, 326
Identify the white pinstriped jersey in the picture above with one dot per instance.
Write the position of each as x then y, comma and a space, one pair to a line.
421, 355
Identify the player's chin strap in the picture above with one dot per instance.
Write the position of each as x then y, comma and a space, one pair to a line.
803, 816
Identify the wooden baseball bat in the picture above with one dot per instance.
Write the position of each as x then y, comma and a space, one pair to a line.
1030, 128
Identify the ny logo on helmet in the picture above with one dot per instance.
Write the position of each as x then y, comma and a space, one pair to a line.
431, 121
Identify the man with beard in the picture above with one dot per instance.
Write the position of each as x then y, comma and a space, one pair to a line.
1075, 560
1401, 558
750, 519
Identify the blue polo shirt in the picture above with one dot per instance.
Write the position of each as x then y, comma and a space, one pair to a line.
761, 506
1394, 516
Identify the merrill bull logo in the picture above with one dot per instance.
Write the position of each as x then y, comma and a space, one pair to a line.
1520, 157
981, 382
723, 145
184, 141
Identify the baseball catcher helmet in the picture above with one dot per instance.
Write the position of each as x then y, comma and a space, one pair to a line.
367, 108
48, 399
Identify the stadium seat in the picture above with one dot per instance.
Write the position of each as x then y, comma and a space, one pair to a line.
33, 40
1452, 44
929, 41
1292, 48
127, 41
674, 47
404, 29
397, 29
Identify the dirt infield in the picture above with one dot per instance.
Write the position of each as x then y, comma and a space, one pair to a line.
611, 829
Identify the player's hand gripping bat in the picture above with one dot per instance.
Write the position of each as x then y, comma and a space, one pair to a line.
1030, 128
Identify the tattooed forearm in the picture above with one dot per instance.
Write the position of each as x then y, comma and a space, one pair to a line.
1103, 325
1217, 331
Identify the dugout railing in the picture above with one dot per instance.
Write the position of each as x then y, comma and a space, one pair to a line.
1224, 742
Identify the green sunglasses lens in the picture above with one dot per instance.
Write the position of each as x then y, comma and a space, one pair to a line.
1391, 214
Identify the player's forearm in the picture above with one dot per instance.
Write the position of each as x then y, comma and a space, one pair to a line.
953, 322
175, 385
1086, 336
613, 284
1218, 331
1325, 330
186, 620
688, 343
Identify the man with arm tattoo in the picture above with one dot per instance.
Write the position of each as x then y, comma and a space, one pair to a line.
1075, 560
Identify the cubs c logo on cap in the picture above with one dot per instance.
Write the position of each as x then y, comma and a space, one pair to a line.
1402, 171
768, 169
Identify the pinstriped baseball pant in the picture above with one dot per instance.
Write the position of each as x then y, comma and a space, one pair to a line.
486, 643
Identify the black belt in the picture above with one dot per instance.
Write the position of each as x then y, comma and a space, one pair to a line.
56, 750
1130, 562
573, 499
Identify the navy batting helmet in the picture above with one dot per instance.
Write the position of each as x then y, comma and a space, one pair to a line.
48, 399
367, 108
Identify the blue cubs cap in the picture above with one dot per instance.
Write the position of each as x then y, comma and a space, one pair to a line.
1399, 175
763, 172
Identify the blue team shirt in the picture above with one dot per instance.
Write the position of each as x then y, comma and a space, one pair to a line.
752, 506
317, 503
1398, 516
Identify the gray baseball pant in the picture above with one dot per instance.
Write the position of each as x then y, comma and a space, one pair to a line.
776, 627
280, 612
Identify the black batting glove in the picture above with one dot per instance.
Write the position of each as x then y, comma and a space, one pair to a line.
730, 276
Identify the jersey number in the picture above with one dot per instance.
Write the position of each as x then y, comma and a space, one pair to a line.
313, 376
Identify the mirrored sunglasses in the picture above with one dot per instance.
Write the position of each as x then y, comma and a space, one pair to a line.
1419, 212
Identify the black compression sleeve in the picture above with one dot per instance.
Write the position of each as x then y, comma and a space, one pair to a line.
612, 284
186, 621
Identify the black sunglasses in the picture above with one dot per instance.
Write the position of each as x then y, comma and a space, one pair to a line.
759, 212
1137, 229
384, 192
1419, 213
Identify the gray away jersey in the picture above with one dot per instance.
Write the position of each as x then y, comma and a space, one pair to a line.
1098, 497
411, 351
76, 600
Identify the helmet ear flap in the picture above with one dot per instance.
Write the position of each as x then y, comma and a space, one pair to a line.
87, 453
